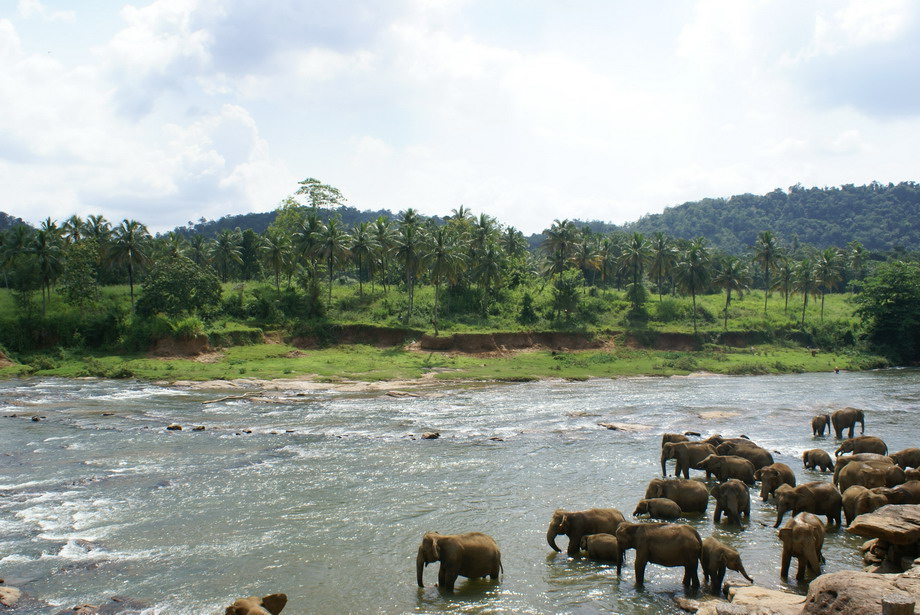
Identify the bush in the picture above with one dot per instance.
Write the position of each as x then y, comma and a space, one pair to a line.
671, 310
188, 328
142, 332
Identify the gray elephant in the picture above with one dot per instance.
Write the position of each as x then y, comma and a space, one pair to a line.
912, 474
724, 467
862, 444
820, 423
757, 455
872, 458
673, 437
658, 508
773, 476
907, 493
471, 555
817, 458
847, 419
267, 605
690, 495
733, 499
716, 558
908, 458
665, 544
816, 497
858, 500
581, 523
687, 456
602, 547
802, 538
870, 474
849, 498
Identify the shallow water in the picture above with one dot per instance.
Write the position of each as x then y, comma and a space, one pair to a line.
328, 497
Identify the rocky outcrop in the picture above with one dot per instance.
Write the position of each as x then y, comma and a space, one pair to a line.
753, 600
896, 530
858, 593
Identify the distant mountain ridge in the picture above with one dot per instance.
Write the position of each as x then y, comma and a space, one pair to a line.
8, 221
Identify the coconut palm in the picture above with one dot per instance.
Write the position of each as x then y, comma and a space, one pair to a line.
333, 247
46, 248
733, 276
692, 271
513, 242
785, 280
199, 249
226, 252
766, 252
129, 249
307, 238
805, 282
559, 244
635, 256
385, 236
276, 250
409, 239
444, 259
585, 256
827, 273
664, 255
363, 248
489, 272
73, 229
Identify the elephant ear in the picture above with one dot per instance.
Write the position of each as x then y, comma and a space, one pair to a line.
273, 603
785, 535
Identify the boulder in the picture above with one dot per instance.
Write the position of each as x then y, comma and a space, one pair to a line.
430, 435
897, 524
174, 427
9, 596
759, 600
856, 593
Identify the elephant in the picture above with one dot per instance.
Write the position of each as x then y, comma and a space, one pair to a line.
757, 455
658, 508
581, 523
802, 537
870, 474
816, 497
847, 419
690, 495
862, 444
819, 423
602, 547
686, 454
268, 605
858, 500
724, 467
773, 476
849, 497
716, 557
714, 440
815, 458
471, 555
906, 493
912, 474
673, 437
665, 544
908, 458
843, 460
732, 498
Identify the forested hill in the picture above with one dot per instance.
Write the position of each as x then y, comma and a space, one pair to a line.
8, 221
881, 217
258, 222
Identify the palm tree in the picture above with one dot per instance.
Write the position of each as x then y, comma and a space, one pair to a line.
513, 243
307, 239
46, 246
785, 280
363, 248
489, 272
693, 272
444, 259
663, 258
766, 254
408, 242
333, 247
733, 275
805, 282
226, 252
856, 258
73, 229
636, 254
827, 273
199, 250
385, 236
559, 243
276, 250
129, 247
585, 256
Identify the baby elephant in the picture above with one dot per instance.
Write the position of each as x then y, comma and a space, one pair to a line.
269, 605
820, 423
471, 555
716, 558
803, 538
665, 544
658, 508
602, 547
815, 458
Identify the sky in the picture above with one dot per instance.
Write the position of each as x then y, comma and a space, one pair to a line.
169, 111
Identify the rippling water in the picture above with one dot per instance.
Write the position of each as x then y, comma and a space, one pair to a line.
328, 496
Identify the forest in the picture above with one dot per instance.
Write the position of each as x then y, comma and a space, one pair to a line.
91, 283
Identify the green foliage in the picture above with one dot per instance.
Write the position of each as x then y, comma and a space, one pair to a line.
143, 331
188, 328
670, 310
527, 315
78, 278
889, 305
567, 292
177, 286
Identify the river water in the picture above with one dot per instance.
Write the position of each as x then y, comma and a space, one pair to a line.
327, 498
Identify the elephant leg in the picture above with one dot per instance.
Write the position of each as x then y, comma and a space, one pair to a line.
717, 582
784, 566
640, 569
691, 574
800, 573
449, 579
574, 549
717, 515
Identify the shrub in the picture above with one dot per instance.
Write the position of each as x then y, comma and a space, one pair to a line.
188, 328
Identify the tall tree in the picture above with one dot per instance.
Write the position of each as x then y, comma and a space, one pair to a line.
46, 247
226, 253
827, 273
386, 237
408, 250
785, 280
363, 248
693, 271
732, 276
805, 282
559, 244
276, 250
129, 248
889, 304
489, 273
635, 256
440, 252
318, 194
663, 258
333, 247
766, 252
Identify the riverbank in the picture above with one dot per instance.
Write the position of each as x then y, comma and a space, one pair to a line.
359, 363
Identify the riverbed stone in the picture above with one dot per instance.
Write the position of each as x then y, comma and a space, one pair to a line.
857, 593
895, 523
760, 600
9, 596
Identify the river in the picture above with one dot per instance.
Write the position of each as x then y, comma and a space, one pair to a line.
324, 495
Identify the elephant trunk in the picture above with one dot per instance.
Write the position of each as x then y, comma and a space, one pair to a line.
813, 561
744, 573
551, 538
664, 466
419, 566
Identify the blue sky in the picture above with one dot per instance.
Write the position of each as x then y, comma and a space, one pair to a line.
167, 111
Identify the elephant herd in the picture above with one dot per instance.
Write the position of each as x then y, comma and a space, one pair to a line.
862, 481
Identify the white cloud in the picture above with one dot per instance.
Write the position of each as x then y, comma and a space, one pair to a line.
30, 8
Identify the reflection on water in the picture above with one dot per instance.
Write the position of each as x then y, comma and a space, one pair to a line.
325, 497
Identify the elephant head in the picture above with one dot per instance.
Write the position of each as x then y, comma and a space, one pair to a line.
787, 498
268, 605
560, 524
667, 452
431, 550
732, 560
769, 480
641, 508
